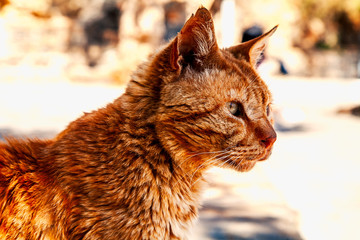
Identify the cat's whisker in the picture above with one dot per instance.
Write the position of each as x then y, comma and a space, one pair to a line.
210, 161
198, 154
195, 155
215, 160
207, 162
238, 164
178, 166
226, 162
203, 153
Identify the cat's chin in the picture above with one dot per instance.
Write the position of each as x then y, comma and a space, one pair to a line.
246, 166
242, 166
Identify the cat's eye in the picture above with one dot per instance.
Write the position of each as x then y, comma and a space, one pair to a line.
268, 110
235, 109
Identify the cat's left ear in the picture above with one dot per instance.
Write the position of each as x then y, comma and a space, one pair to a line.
252, 49
195, 41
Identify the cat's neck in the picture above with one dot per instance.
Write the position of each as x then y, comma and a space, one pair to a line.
175, 190
140, 103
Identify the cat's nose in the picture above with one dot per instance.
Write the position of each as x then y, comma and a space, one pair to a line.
268, 141
267, 136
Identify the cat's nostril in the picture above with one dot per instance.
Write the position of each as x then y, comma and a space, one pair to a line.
269, 141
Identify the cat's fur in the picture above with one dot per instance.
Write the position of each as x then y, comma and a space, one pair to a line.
133, 170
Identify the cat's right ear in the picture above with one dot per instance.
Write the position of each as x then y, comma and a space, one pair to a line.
252, 49
195, 41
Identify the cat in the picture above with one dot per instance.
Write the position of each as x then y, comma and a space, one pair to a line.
134, 169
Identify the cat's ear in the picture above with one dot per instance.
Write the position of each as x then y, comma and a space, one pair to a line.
251, 50
195, 41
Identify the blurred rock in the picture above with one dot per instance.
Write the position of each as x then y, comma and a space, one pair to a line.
353, 111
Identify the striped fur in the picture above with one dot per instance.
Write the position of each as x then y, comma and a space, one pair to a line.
133, 170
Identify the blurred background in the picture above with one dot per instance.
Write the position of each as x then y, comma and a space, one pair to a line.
59, 58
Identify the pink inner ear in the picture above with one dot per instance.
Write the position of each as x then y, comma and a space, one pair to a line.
259, 49
255, 54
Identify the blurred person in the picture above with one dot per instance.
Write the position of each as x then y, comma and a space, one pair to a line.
102, 30
174, 19
93, 25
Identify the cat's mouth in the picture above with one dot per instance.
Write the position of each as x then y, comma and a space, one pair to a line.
245, 164
260, 156
266, 155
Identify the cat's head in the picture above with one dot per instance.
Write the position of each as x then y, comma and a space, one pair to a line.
214, 109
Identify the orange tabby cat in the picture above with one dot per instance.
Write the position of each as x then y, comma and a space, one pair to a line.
133, 170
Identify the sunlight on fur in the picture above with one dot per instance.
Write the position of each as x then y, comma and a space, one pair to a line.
134, 168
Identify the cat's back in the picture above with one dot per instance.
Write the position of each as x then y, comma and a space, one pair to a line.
21, 167
23, 187
18, 156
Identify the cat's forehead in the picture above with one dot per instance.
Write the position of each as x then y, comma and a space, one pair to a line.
230, 84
